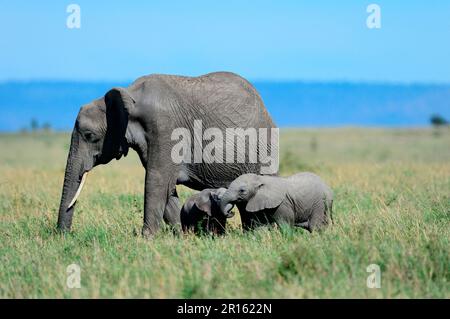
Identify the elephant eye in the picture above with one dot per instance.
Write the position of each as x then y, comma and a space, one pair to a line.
90, 137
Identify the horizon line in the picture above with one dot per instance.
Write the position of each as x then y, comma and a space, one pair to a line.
284, 128
252, 80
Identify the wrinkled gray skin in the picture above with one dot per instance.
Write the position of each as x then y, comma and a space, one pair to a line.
201, 212
142, 117
301, 200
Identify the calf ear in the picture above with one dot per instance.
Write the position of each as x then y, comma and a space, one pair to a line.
217, 194
203, 203
266, 197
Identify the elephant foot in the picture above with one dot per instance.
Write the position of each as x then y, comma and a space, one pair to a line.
147, 233
175, 229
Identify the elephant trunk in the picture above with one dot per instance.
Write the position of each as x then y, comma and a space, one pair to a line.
73, 182
226, 203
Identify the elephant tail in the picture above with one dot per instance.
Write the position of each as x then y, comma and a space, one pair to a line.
330, 210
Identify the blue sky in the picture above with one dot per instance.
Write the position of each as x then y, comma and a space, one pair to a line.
282, 40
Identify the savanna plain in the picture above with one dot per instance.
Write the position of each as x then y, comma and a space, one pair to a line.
392, 209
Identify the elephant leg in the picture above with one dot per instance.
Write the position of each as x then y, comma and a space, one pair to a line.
329, 211
246, 218
319, 219
304, 225
157, 186
252, 220
172, 211
247, 223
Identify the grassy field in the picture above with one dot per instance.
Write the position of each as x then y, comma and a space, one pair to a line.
392, 208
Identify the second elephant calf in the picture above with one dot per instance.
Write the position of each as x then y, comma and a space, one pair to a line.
201, 212
303, 199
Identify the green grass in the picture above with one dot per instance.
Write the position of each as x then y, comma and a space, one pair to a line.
392, 208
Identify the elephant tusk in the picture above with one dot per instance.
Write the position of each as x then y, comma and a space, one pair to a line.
83, 179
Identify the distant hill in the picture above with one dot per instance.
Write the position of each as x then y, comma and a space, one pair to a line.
290, 103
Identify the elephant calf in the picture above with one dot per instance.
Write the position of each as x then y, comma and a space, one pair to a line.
302, 200
201, 212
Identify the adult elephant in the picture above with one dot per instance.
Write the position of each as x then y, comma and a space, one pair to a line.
143, 117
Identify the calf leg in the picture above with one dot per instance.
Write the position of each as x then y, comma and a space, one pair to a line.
172, 211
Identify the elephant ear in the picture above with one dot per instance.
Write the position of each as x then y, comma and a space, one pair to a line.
217, 194
119, 104
203, 203
266, 197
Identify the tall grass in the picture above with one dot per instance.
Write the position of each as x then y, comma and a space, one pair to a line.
392, 208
